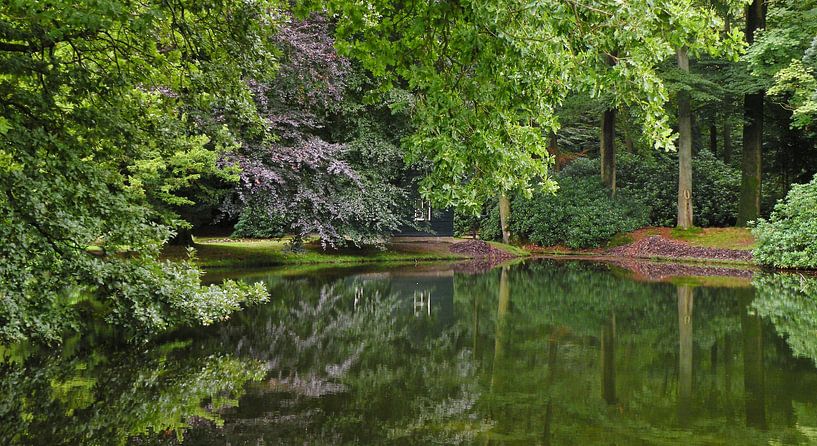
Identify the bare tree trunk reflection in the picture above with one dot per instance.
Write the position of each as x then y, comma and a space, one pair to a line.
608, 370
504, 299
754, 379
685, 301
501, 322
553, 348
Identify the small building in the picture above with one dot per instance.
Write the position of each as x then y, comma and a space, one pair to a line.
429, 222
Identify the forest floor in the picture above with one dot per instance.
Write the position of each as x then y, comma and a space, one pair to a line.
709, 245
212, 252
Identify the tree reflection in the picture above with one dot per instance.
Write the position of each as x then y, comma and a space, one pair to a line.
581, 355
685, 347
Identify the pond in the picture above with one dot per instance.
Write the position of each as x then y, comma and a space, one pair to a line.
540, 352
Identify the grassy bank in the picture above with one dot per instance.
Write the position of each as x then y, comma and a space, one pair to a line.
740, 239
224, 253
721, 238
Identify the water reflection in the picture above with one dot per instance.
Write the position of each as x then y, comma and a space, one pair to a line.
537, 353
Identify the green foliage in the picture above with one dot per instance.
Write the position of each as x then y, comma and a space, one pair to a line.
490, 76
581, 214
715, 187
799, 82
466, 224
788, 239
784, 56
95, 396
253, 223
787, 300
111, 113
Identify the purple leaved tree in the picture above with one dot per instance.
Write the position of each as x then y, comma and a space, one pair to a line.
295, 176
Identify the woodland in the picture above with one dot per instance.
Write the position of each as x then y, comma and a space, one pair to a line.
128, 126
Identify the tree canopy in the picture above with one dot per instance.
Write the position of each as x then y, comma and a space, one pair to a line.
491, 76
109, 109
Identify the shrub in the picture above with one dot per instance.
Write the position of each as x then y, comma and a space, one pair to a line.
256, 223
788, 239
466, 223
580, 215
715, 187
489, 225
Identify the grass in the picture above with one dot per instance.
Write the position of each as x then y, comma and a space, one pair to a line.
723, 238
619, 239
220, 253
515, 250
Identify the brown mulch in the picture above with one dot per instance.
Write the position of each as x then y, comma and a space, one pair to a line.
657, 246
484, 257
479, 248
662, 271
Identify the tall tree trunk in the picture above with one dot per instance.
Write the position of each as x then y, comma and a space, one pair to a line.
505, 217
749, 207
713, 139
727, 140
684, 149
607, 148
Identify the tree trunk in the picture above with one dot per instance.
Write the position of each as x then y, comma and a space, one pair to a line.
684, 149
727, 140
749, 208
713, 139
607, 148
505, 217
553, 148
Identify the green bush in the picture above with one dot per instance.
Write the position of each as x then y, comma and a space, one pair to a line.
255, 223
580, 215
715, 187
466, 223
788, 239
489, 226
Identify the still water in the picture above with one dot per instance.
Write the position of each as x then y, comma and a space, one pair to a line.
539, 353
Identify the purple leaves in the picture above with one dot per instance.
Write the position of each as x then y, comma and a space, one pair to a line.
297, 177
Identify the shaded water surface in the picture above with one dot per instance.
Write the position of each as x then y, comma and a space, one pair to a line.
538, 353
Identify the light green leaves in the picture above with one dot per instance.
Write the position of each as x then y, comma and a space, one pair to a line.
490, 76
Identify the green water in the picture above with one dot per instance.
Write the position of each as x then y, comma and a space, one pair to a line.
538, 353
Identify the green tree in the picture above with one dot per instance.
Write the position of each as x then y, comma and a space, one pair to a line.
108, 110
490, 76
